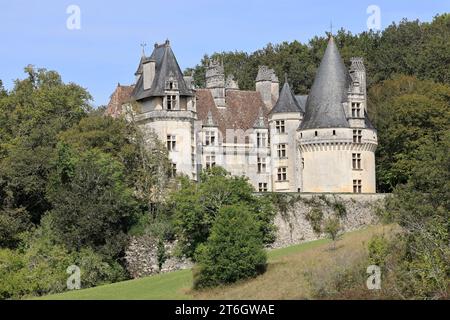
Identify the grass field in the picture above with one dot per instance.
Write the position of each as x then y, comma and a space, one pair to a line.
284, 279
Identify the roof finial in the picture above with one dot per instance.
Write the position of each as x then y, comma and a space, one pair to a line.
331, 28
143, 45
285, 77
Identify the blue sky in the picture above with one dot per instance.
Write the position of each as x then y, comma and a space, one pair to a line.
106, 50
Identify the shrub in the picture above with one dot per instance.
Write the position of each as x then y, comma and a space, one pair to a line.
234, 250
315, 217
332, 227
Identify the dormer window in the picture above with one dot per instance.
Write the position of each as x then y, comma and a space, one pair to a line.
171, 85
171, 102
356, 110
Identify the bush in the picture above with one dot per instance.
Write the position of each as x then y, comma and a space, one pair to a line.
332, 227
315, 217
234, 250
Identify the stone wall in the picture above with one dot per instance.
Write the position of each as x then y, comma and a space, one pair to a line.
294, 227
141, 257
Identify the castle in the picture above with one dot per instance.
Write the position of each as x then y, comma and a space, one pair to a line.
282, 142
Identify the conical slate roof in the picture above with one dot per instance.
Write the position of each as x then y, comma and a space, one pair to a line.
166, 67
287, 101
324, 105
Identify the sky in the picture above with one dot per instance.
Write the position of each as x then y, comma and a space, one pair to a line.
101, 46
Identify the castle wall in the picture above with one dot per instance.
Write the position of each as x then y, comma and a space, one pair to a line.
328, 160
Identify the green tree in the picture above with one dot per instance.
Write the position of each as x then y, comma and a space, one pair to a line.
196, 206
93, 207
234, 249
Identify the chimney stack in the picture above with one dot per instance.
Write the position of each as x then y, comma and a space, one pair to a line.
149, 67
268, 86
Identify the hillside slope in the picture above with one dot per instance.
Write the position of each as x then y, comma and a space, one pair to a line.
284, 279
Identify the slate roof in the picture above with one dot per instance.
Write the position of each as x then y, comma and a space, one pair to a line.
166, 66
287, 102
301, 100
243, 109
324, 104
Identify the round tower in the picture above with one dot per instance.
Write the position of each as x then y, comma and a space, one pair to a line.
337, 142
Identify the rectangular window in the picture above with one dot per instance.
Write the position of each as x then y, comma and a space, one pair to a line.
357, 186
281, 150
356, 110
356, 161
173, 170
282, 174
261, 165
357, 136
171, 102
171, 85
171, 142
210, 162
280, 126
210, 138
261, 140
262, 187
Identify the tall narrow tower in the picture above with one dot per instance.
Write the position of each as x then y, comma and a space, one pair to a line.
336, 139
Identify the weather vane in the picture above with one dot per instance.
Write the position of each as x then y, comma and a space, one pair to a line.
331, 27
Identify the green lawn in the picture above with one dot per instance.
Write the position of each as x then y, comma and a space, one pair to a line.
177, 285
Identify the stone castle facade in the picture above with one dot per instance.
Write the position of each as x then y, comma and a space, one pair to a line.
282, 142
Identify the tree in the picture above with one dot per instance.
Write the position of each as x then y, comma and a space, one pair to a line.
332, 227
234, 249
196, 206
91, 205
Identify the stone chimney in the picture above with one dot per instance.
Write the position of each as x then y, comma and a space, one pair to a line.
148, 72
268, 86
215, 82
358, 73
231, 84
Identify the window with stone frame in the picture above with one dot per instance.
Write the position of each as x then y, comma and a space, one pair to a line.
357, 186
210, 161
281, 150
171, 101
356, 110
261, 164
282, 174
357, 136
262, 186
261, 140
173, 170
210, 138
171, 142
356, 161
280, 126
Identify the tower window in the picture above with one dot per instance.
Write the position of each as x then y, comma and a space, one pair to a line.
210, 162
171, 102
261, 140
171, 142
171, 85
315, 133
357, 136
210, 138
356, 110
261, 164
262, 187
356, 161
281, 150
334, 132
280, 126
357, 186
282, 174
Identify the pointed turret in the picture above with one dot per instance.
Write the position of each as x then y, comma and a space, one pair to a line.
287, 101
166, 68
324, 105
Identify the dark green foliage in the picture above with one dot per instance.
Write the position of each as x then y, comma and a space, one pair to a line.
93, 207
196, 206
332, 227
161, 254
234, 249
